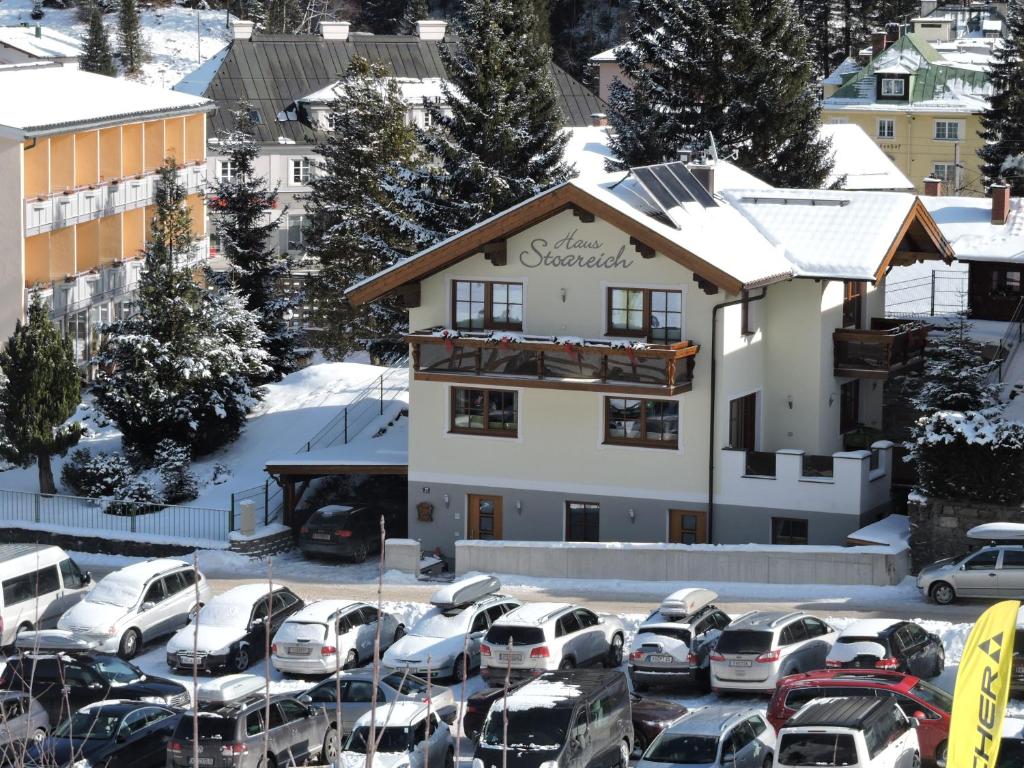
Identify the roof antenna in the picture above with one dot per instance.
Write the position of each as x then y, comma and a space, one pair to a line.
714, 147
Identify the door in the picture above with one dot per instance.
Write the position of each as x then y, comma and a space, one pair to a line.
153, 610
366, 633
687, 526
978, 576
1010, 576
304, 736
355, 702
484, 517
592, 635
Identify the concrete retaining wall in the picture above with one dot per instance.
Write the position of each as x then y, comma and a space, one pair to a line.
876, 566
402, 555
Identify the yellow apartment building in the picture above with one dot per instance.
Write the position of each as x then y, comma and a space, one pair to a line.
78, 159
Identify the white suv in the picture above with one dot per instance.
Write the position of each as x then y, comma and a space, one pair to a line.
852, 732
132, 606
758, 649
547, 636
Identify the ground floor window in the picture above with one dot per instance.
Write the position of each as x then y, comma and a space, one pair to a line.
789, 530
582, 521
485, 411
1006, 282
849, 406
650, 423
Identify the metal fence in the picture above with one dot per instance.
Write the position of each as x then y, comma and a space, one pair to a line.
268, 499
943, 292
82, 516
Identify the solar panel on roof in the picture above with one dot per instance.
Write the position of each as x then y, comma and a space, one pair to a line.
672, 183
655, 187
692, 184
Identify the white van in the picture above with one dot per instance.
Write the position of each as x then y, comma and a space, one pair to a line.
37, 584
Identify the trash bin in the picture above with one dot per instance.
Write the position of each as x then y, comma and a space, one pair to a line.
247, 518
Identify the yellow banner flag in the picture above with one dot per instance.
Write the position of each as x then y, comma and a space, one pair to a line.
982, 689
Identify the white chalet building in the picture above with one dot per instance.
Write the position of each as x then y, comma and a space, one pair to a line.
668, 354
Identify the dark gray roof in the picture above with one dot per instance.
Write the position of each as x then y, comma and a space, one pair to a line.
271, 72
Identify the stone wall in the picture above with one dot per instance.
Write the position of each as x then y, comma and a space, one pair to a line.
938, 527
101, 544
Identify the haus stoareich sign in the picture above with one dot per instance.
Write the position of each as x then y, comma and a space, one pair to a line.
571, 251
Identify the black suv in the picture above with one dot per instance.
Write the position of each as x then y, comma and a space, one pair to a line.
65, 682
337, 530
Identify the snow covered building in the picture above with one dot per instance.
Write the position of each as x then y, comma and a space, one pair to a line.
287, 81
23, 43
668, 354
921, 106
78, 155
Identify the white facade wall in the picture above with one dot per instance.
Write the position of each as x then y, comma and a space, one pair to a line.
12, 228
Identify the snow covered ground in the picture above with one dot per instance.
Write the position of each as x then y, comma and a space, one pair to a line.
179, 39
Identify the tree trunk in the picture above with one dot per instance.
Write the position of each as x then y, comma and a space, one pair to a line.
46, 484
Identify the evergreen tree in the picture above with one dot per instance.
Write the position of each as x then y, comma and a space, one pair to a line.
185, 366
734, 70
502, 142
96, 55
383, 17
241, 211
415, 10
39, 392
826, 49
279, 16
956, 375
1003, 121
129, 38
352, 233
37, 11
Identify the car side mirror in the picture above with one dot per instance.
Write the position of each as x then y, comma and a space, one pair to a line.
914, 722
147, 606
122, 737
87, 578
305, 698
600, 620
258, 622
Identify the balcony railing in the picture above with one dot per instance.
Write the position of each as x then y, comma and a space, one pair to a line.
889, 346
553, 362
74, 206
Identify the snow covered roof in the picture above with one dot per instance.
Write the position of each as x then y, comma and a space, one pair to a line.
75, 99
531, 613
244, 594
587, 150
322, 610
861, 161
48, 44
893, 530
967, 223
606, 56
396, 714
414, 90
140, 572
868, 627
198, 80
847, 67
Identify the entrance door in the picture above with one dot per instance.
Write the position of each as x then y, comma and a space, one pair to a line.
687, 526
484, 517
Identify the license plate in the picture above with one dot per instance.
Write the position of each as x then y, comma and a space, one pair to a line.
322, 536
739, 663
187, 659
660, 659
510, 656
200, 761
300, 650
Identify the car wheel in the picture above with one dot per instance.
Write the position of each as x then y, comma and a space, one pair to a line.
399, 633
25, 626
360, 552
915, 761
351, 661
940, 755
768, 762
943, 593
329, 754
703, 678
459, 669
615, 652
129, 646
624, 751
39, 735
449, 759
567, 663
240, 662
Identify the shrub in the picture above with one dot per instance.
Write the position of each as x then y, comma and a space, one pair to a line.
96, 476
136, 496
174, 462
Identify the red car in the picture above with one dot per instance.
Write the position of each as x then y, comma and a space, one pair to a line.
916, 697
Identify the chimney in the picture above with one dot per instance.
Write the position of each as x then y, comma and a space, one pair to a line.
1000, 202
932, 186
39, 31
431, 30
879, 42
599, 120
705, 174
892, 32
334, 30
241, 30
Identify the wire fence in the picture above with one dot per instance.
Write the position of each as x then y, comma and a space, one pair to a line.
268, 500
943, 292
105, 517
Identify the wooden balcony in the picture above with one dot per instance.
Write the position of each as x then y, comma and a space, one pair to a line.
550, 362
889, 346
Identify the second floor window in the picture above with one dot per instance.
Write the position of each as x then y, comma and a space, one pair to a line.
301, 169
947, 130
654, 314
649, 423
853, 303
485, 412
478, 306
886, 129
226, 170
296, 230
893, 87
945, 171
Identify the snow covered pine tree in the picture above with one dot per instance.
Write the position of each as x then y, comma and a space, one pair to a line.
130, 44
96, 56
1003, 121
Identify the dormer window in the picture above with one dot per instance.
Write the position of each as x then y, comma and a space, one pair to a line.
892, 87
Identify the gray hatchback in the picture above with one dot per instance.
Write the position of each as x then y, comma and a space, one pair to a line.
738, 737
232, 735
23, 721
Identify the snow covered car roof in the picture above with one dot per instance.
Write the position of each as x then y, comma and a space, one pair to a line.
532, 613
141, 572
869, 627
324, 610
245, 594
396, 714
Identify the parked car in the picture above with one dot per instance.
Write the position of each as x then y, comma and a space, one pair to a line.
756, 650
136, 604
356, 688
409, 734
232, 733
438, 639
546, 636
562, 719
651, 717
849, 732
714, 736
478, 704
37, 584
1011, 746
329, 635
88, 677
23, 721
993, 571
233, 628
918, 698
1017, 670
350, 532
888, 644
673, 645
108, 733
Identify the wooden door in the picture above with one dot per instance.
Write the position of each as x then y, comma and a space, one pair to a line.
687, 526
484, 517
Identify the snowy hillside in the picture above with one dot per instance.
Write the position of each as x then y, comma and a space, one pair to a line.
170, 33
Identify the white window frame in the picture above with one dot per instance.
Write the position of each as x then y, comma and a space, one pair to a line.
943, 175
301, 171
894, 93
885, 128
838, 121
298, 245
226, 170
957, 127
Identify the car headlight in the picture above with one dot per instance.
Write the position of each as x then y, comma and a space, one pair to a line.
221, 651
83, 763
549, 764
478, 763
153, 699
109, 631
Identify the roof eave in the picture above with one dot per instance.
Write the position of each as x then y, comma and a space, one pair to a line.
53, 129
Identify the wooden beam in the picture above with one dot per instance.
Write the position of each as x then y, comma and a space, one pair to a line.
496, 252
643, 249
705, 285
583, 215
918, 214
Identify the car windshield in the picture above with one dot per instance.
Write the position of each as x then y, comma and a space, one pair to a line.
933, 695
225, 614
395, 739
88, 724
111, 590
435, 623
817, 749
744, 641
409, 686
682, 748
117, 671
533, 728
